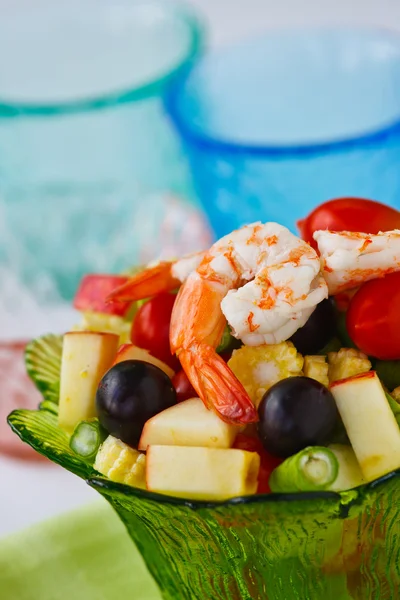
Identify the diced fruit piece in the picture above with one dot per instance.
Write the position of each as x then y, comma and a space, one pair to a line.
295, 413
370, 423
318, 330
347, 363
86, 439
316, 368
183, 387
131, 352
129, 394
86, 356
201, 473
93, 291
267, 462
259, 367
107, 324
312, 469
150, 328
388, 372
120, 463
188, 423
349, 475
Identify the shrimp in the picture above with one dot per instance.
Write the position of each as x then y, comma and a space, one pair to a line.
265, 282
349, 259
162, 277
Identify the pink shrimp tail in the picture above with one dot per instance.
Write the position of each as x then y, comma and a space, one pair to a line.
217, 386
147, 283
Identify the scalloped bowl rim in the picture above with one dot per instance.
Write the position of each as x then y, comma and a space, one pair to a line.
346, 498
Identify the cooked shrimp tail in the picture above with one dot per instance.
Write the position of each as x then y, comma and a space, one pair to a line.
217, 386
162, 277
147, 283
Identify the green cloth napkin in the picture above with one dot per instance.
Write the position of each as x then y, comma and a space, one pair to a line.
82, 555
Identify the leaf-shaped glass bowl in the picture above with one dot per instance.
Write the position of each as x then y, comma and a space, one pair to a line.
310, 546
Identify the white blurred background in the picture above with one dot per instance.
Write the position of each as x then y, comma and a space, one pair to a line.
30, 491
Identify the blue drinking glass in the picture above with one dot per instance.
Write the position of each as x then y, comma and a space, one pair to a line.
278, 124
88, 160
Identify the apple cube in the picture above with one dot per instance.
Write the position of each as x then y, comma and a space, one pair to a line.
201, 473
369, 422
86, 357
188, 423
131, 352
93, 291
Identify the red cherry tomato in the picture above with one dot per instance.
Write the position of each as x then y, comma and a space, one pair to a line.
150, 328
349, 214
267, 464
183, 387
373, 317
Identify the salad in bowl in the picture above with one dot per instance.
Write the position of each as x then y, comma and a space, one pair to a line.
240, 410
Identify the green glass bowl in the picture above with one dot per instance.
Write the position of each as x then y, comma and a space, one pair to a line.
310, 546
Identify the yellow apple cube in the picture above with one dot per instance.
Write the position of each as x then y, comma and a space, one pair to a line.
86, 357
201, 473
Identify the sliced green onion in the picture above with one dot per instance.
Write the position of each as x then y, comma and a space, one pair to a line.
312, 469
87, 438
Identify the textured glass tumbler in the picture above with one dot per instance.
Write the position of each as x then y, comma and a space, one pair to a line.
92, 177
278, 124
315, 546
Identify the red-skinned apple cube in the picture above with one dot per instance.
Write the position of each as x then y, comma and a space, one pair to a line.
93, 291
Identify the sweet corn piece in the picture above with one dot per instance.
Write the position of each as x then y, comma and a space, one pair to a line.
119, 462
347, 363
259, 367
93, 321
316, 367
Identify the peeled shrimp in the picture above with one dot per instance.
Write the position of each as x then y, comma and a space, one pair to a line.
349, 259
262, 279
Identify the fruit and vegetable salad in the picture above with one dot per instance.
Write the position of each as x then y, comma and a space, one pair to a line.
268, 363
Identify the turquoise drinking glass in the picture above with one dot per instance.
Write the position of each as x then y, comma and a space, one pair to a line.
308, 546
91, 171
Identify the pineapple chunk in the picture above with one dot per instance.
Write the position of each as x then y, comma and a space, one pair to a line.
101, 322
121, 463
347, 363
86, 356
201, 473
316, 367
259, 367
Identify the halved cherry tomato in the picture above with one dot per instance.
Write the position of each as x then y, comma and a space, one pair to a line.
267, 464
349, 214
150, 328
183, 387
373, 317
